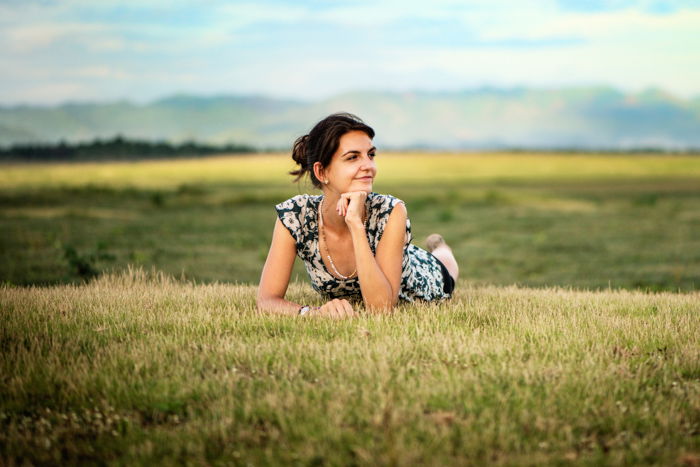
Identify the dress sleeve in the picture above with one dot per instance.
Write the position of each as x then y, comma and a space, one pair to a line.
289, 213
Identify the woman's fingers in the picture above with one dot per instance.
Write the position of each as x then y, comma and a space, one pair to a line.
340, 308
342, 206
337, 308
352, 197
348, 310
328, 309
351, 204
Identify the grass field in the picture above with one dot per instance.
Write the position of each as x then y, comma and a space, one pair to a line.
588, 221
591, 359
139, 369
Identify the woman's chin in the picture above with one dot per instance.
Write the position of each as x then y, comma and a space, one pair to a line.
362, 186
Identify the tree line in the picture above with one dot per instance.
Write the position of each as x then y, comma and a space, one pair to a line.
117, 148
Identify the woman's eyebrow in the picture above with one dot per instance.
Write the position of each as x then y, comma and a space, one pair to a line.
355, 151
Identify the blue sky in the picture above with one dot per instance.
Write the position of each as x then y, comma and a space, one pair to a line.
78, 50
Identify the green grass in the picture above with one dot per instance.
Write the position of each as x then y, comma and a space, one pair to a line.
139, 369
588, 221
580, 363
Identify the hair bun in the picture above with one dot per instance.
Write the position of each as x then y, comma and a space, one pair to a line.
299, 151
299, 156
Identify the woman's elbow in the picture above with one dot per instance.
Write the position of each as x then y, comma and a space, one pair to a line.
267, 301
382, 306
386, 303
262, 301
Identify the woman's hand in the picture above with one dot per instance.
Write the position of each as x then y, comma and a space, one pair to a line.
336, 308
351, 205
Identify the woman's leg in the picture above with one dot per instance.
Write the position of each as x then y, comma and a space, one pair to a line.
436, 245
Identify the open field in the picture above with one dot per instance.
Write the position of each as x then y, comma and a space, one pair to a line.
587, 221
139, 369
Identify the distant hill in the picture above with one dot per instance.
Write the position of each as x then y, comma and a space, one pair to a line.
584, 118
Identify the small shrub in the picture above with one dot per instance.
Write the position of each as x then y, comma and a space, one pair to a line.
157, 199
85, 265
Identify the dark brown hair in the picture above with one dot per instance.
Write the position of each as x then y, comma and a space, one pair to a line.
323, 141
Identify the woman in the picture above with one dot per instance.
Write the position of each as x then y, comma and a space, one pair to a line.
355, 244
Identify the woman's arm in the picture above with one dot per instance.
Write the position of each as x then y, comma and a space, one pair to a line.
275, 279
380, 275
276, 273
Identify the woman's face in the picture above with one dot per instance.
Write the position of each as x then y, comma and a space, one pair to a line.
352, 167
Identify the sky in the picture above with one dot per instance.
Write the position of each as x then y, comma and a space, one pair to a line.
105, 50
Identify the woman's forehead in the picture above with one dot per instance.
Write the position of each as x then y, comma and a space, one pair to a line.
358, 140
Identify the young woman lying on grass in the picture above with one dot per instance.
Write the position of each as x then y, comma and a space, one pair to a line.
355, 244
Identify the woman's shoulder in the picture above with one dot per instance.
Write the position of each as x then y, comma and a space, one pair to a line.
297, 214
297, 203
381, 207
383, 201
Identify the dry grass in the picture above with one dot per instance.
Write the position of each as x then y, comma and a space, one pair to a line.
394, 168
139, 367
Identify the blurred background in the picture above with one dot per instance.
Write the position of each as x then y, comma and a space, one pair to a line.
552, 142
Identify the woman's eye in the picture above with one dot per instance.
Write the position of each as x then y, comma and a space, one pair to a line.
372, 154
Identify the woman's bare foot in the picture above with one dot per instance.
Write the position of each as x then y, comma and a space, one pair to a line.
436, 245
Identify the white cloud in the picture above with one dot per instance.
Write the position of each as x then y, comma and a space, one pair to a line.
55, 51
26, 38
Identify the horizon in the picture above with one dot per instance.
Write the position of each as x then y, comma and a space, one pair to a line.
427, 92
76, 51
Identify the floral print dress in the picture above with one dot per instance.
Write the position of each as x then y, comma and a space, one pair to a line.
421, 276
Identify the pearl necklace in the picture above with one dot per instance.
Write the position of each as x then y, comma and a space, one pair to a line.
323, 235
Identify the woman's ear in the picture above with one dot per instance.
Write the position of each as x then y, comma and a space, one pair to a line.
319, 172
